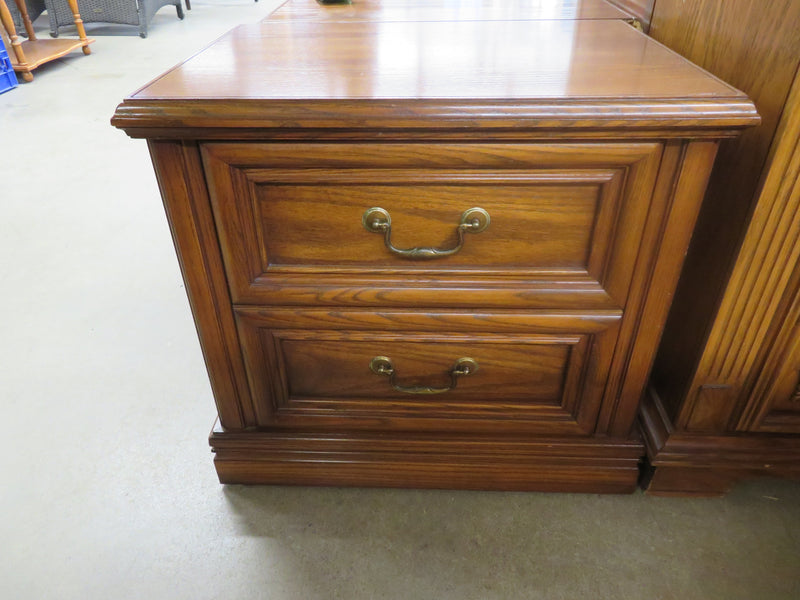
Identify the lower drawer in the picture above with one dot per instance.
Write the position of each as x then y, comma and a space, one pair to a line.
448, 371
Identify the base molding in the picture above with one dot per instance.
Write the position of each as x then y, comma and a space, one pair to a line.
709, 464
396, 459
690, 481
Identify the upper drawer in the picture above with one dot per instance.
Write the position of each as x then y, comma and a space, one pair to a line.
464, 215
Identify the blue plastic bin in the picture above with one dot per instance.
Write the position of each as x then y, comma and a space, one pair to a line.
8, 79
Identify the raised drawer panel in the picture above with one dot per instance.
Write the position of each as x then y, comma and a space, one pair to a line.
545, 374
566, 217
526, 369
537, 222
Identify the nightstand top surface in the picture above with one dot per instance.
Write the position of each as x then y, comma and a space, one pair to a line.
277, 73
447, 10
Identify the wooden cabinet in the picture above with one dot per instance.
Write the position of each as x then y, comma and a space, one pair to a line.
450, 271
723, 400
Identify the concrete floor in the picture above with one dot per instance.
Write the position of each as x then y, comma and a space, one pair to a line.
108, 490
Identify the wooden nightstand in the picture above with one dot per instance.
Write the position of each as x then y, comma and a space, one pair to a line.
337, 354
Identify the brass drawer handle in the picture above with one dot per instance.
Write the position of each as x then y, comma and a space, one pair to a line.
378, 220
382, 365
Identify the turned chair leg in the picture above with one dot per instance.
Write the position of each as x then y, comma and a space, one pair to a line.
26, 19
73, 6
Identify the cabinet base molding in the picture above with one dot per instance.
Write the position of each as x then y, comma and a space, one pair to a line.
708, 464
591, 465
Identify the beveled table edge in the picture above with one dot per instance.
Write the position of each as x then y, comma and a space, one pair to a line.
186, 118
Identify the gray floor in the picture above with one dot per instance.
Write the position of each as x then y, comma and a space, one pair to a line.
108, 490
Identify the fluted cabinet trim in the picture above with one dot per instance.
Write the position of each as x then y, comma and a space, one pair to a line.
763, 272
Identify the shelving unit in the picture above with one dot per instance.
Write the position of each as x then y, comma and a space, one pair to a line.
27, 55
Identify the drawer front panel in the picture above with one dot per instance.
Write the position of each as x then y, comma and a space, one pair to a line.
544, 222
545, 375
293, 215
533, 369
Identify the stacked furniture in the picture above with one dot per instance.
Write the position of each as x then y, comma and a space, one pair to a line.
433, 252
29, 54
125, 12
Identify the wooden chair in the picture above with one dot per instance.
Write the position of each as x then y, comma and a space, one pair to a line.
27, 55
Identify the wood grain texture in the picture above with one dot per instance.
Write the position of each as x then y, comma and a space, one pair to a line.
726, 373
669, 228
756, 50
539, 75
708, 482
428, 461
589, 143
773, 240
584, 59
186, 203
688, 464
310, 369
443, 10
564, 213
536, 224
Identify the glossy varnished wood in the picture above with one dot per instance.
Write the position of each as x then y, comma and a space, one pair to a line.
180, 179
538, 373
758, 51
341, 76
724, 386
456, 59
568, 216
761, 306
589, 143
443, 10
683, 463
444, 461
